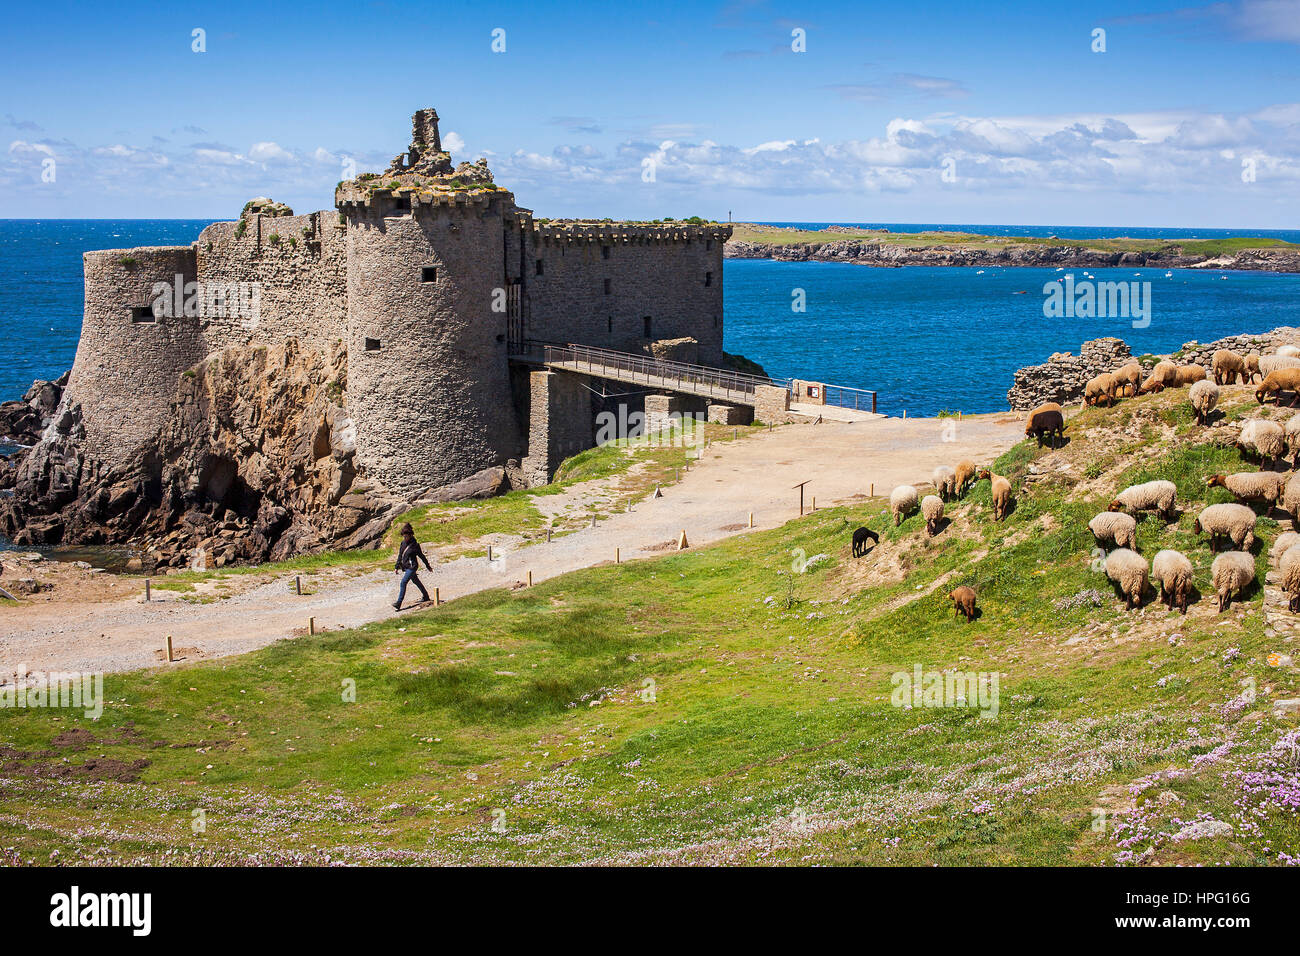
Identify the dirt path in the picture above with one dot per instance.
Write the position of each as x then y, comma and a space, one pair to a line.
101, 632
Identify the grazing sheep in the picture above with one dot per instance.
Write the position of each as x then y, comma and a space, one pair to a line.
1265, 486
932, 509
965, 472
945, 482
1227, 365
1275, 383
1275, 363
1288, 566
1173, 572
1291, 435
1164, 375
1266, 439
1252, 367
860, 538
1287, 539
1002, 498
1128, 569
1203, 395
902, 502
1099, 388
1235, 522
1130, 377
1232, 572
1187, 374
1047, 420
1288, 351
1114, 526
1291, 497
963, 601
1150, 496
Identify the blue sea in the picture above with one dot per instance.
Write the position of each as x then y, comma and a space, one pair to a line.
926, 339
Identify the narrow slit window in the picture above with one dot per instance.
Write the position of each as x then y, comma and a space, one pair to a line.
645, 322
540, 267
611, 323
608, 287
708, 245
604, 252
708, 278
143, 313
429, 274
372, 345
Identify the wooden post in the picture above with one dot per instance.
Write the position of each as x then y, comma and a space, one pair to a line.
751, 519
311, 625
530, 579
170, 658
489, 554
814, 503
618, 555
735, 433
548, 535
437, 597
800, 487
148, 593
297, 583
905, 414
872, 493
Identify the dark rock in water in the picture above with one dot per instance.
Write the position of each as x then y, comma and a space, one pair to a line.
254, 462
23, 422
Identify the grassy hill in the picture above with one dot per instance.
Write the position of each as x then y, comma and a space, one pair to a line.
728, 704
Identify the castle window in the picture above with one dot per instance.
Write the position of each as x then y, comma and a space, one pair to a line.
604, 252
401, 203
715, 321
611, 323
708, 245
143, 313
539, 266
608, 287
428, 273
708, 278
645, 322
372, 345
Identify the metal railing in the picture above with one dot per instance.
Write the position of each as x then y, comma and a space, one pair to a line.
842, 396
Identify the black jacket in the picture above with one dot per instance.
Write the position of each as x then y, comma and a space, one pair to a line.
409, 556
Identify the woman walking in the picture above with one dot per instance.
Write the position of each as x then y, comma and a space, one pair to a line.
409, 556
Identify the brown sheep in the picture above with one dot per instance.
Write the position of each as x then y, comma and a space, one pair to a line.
1047, 420
965, 471
1100, 387
1227, 365
1275, 383
963, 600
1187, 374
1164, 375
1130, 377
1001, 489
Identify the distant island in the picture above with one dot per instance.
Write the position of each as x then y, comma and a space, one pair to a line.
881, 247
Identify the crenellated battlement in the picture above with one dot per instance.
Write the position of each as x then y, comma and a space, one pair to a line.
610, 231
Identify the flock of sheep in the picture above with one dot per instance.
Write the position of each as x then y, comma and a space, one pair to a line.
1232, 571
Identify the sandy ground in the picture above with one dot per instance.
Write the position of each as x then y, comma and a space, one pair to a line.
98, 622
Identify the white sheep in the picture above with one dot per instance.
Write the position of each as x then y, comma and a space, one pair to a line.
1288, 566
1236, 522
932, 509
1128, 569
945, 481
1265, 438
1000, 489
1287, 539
1173, 572
1203, 395
1264, 486
1288, 351
1291, 434
1291, 496
1272, 363
1232, 572
1149, 496
902, 502
1114, 526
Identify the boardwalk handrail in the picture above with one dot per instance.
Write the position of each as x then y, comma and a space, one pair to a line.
844, 396
597, 361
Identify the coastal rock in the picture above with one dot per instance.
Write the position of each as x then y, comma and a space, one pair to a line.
22, 422
487, 483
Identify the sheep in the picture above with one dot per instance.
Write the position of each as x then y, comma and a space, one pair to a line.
1047, 420
1100, 387
1002, 497
1275, 363
860, 538
1187, 374
963, 600
932, 509
1236, 522
1227, 365
1232, 571
1252, 367
1288, 566
1265, 486
1128, 569
1151, 496
1129, 376
1203, 395
1291, 497
1266, 439
1275, 383
1164, 375
1114, 526
1288, 351
902, 502
1285, 541
945, 482
1291, 435
1174, 573
965, 472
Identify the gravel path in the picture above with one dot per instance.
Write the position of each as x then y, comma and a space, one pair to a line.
713, 500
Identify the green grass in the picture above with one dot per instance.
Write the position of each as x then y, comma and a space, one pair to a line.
711, 705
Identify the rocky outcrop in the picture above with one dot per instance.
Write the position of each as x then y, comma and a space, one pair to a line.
1062, 377
255, 461
23, 422
868, 253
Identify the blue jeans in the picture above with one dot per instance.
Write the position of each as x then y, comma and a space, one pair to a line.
407, 577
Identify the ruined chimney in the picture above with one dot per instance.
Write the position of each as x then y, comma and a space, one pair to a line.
424, 132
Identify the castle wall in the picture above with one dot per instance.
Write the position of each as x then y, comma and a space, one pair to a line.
560, 422
599, 284
428, 375
130, 356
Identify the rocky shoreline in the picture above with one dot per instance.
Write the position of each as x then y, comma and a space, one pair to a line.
887, 255
1062, 377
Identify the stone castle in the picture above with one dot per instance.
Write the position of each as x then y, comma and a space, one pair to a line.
424, 284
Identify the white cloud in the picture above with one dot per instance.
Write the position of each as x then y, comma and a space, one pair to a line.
269, 153
452, 142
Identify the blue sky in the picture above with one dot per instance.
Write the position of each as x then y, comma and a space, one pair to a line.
902, 112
